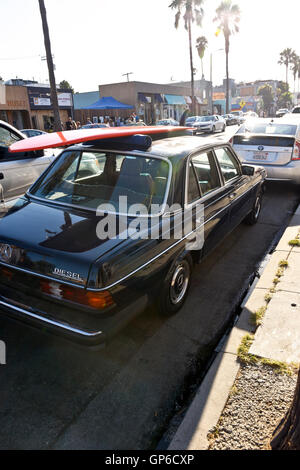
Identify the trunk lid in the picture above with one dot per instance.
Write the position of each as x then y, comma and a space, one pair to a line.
52, 241
264, 149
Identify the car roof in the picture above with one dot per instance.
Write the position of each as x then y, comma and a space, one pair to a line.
172, 148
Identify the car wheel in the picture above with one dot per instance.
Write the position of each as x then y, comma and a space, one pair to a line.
253, 216
176, 286
224, 128
214, 129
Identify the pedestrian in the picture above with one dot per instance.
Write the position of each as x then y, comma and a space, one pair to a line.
69, 124
78, 123
183, 117
88, 121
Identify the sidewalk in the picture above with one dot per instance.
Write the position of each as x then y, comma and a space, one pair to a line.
251, 383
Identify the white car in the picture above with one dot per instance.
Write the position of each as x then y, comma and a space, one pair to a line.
239, 115
210, 124
18, 170
273, 144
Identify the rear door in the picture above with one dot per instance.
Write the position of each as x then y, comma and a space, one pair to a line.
239, 186
205, 187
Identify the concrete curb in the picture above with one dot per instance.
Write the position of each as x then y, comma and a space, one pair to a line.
213, 393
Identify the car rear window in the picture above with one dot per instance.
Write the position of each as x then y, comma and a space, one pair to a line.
272, 141
89, 179
269, 129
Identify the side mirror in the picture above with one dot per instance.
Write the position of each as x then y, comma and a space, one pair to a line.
248, 170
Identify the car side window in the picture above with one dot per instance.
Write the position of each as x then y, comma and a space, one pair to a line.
206, 172
229, 166
193, 186
7, 137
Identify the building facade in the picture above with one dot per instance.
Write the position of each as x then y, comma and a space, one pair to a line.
14, 106
152, 101
27, 104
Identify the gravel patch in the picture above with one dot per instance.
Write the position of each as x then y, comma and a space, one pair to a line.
259, 400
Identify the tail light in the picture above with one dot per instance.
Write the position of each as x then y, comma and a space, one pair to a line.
296, 151
231, 141
95, 300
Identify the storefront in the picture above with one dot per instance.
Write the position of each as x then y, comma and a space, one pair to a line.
153, 101
14, 106
41, 107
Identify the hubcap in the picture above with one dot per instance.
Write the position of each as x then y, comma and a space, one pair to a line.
179, 283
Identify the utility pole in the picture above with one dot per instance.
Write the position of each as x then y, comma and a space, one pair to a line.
127, 75
54, 99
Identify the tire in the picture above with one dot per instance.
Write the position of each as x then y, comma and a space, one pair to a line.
224, 128
213, 130
176, 285
253, 216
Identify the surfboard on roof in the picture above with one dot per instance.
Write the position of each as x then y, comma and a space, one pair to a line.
66, 138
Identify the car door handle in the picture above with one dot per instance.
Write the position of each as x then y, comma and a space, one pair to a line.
1, 176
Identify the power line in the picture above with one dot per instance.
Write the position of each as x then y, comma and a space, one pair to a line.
20, 58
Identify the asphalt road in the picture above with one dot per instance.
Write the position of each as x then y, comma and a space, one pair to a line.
54, 395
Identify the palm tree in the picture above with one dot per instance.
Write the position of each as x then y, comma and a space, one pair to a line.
295, 68
286, 57
54, 100
192, 12
228, 18
201, 46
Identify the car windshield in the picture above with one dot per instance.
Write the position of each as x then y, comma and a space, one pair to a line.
88, 179
204, 119
269, 128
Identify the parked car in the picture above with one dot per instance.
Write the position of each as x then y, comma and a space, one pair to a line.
135, 123
93, 126
274, 144
60, 275
210, 124
190, 120
251, 115
296, 110
230, 119
282, 112
239, 115
20, 170
32, 132
168, 122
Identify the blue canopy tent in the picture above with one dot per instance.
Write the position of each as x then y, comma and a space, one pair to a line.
108, 102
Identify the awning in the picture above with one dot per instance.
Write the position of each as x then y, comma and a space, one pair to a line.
175, 99
108, 102
188, 99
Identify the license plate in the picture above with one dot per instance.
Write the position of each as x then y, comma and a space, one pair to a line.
260, 155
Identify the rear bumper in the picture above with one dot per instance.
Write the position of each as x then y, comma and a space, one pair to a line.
88, 335
289, 172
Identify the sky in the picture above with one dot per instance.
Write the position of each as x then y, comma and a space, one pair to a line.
97, 41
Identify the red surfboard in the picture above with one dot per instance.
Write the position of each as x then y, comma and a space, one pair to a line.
63, 139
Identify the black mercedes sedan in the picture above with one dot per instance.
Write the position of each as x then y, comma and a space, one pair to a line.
114, 225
